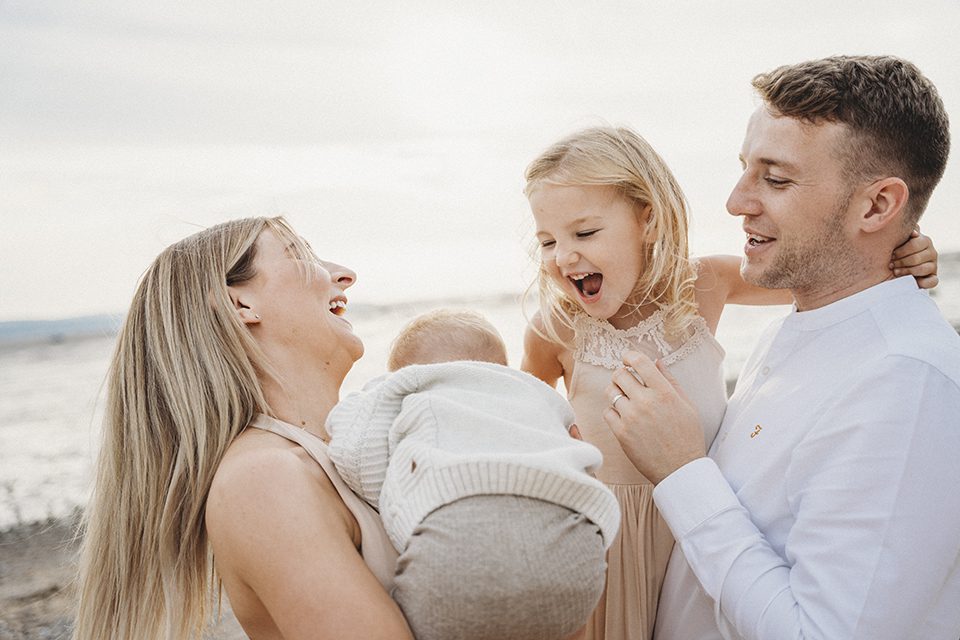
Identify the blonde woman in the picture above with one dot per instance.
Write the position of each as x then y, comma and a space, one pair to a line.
213, 469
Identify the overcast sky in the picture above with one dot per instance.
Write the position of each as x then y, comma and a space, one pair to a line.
393, 134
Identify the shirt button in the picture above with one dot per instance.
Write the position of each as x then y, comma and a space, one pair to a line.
765, 370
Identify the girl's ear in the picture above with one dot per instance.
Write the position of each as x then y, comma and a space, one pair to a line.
648, 222
883, 203
241, 299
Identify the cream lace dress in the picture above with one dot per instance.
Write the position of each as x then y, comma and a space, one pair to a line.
638, 558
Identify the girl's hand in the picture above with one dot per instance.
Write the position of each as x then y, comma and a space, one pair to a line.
916, 257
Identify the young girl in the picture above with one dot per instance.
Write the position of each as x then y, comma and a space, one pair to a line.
611, 224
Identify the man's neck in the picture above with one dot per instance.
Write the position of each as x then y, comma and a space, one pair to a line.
815, 298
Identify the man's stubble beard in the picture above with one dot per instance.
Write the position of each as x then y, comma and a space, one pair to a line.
824, 261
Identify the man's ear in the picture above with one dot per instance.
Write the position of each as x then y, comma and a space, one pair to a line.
885, 202
241, 304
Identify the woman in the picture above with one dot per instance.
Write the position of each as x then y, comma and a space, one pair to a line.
229, 326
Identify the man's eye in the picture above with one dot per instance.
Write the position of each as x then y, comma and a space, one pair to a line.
776, 182
586, 234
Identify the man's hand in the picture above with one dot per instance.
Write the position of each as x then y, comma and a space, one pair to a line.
657, 426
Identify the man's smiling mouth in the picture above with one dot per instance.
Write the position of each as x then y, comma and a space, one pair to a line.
755, 239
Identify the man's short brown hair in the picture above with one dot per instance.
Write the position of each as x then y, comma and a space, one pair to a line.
897, 123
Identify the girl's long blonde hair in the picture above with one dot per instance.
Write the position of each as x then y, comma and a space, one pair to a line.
620, 158
182, 385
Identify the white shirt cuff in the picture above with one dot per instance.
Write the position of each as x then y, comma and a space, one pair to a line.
693, 494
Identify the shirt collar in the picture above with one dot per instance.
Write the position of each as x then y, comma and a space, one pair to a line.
850, 306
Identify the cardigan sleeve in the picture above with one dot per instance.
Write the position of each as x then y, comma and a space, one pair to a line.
359, 426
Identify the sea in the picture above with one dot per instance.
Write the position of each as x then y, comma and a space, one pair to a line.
52, 384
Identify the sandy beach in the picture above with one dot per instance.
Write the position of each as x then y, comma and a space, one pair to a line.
38, 564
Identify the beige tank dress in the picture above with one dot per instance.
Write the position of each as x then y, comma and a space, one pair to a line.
375, 547
638, 558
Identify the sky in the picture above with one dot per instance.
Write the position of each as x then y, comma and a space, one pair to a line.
393, 135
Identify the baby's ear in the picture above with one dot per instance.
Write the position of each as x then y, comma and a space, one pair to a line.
574, 432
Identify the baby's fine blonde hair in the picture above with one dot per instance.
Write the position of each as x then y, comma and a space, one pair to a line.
620, 158
445, 335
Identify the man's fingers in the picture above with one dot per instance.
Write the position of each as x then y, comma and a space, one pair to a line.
612, 418
645, 372
662, 368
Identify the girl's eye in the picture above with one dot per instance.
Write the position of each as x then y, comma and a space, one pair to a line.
586, 234
546, 244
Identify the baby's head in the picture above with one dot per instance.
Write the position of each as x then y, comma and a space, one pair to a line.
445, 335
611, 228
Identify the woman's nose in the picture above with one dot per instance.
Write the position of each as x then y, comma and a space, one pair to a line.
340, 275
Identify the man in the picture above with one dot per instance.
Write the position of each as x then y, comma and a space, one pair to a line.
829, 505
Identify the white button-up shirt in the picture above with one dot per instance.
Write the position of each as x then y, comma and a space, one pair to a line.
830, 504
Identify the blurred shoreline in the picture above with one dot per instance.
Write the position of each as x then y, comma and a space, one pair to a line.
16, 334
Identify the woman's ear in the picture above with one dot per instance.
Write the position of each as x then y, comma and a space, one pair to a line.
885, 202
245, 312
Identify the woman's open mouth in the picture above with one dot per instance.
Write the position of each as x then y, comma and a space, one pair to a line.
587, 284
338, 306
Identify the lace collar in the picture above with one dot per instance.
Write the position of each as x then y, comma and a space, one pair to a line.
599, 343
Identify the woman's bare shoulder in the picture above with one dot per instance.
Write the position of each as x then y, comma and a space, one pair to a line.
264, 476
288, 547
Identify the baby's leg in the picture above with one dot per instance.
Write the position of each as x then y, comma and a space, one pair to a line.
498, 567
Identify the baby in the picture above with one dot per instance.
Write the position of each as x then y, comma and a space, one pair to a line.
500, 526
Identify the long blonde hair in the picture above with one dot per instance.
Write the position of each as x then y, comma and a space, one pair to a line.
182, 385
620, 158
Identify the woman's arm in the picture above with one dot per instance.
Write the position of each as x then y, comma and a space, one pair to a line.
541, 357
286, 547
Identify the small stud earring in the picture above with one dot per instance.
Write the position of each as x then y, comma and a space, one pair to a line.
257, 316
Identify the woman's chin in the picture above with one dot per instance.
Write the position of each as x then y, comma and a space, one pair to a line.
354, 348
358, 352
